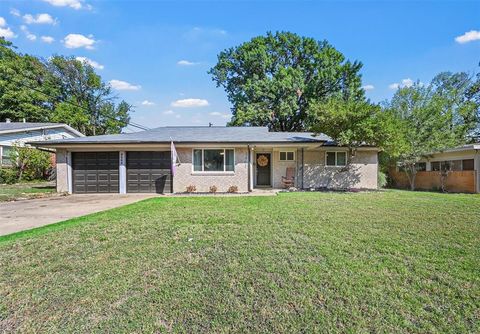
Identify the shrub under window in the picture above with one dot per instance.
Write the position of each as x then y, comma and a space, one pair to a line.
213, 160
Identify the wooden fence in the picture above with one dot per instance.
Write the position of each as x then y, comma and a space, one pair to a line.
456, 182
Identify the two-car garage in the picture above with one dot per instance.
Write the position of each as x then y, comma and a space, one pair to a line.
99, 172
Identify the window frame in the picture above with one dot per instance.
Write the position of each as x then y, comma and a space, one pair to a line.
336, 160
203, 171
286, 156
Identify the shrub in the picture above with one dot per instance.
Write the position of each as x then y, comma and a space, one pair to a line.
213, 189
30, 163
8, 175
232, 189
382, 179
191, 189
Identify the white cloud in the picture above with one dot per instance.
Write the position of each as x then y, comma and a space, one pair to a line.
190, 103
47, 39
469, 36
168, 112
75, 4
219, 114
90, 62
199, 32
4, 30
404, 83
147, 103
39, 19
7, 33
368, 87
74, 41
28, 34
123, 85
14, 12
186, 63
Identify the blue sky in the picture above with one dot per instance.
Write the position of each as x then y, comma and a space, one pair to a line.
157, 53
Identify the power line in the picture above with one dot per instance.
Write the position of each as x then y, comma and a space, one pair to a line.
139, 126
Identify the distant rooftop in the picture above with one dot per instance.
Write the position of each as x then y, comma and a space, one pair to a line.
199, 134
6, 127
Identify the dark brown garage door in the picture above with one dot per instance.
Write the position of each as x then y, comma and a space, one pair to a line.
149, 172
95, 172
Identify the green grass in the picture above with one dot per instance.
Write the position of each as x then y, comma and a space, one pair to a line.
10, 192
394, 262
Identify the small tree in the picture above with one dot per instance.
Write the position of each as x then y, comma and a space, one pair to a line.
30, 163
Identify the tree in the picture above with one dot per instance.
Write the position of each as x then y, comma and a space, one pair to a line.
25, 86
87, 102
272, 80
60, 89
357, 123
434, 117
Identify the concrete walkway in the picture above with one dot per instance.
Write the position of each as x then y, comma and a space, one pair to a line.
24, 215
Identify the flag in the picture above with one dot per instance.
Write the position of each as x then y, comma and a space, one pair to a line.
174, 157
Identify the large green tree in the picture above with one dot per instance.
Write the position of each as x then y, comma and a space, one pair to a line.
86, 102
434, 117
60, 89
272, 80
26, 86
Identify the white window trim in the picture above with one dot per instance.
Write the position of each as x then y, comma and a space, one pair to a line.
203, 165
286, 151
326, 161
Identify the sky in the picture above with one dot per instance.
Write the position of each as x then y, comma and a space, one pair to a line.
156, 54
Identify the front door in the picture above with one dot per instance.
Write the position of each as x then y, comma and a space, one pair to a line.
263, 162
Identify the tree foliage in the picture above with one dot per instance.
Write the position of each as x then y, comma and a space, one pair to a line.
60, 89
273, 80
434, 117
30, 163
356, 123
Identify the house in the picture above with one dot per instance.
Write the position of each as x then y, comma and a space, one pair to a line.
242, 157
19, 133
453, 170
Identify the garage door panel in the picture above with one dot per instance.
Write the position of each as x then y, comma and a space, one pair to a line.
95, 172
149, 172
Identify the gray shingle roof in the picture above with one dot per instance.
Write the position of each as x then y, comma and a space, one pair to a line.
198, 134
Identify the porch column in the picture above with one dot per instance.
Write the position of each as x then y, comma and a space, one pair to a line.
250, 168
68, 156
303, 165
122, 173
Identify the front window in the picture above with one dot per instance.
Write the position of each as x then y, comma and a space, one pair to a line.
337, 159
213, 160
287, 156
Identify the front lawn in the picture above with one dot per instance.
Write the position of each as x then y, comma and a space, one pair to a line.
300, 262
9, 192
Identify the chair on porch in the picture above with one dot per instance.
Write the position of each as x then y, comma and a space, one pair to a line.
289, 179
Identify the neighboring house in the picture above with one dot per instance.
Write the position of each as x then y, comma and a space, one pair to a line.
19, 133
242, 157
454, 170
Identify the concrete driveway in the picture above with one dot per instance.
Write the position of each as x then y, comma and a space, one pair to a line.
27, 214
